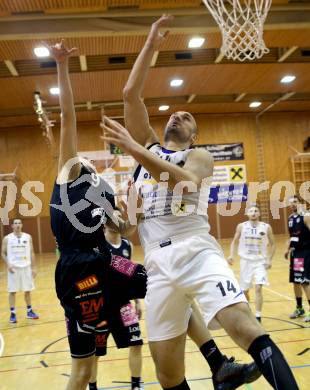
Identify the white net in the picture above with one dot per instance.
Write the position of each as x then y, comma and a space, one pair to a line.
241, 23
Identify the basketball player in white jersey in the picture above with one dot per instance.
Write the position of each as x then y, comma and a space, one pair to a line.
256, 247
182, 259
17, 252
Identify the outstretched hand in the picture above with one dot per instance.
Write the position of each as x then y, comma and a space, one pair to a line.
115, 133
156, 37
60, 52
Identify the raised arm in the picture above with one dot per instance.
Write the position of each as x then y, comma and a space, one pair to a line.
136, 116
68, 133
234, 244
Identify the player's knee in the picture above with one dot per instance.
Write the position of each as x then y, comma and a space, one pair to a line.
136, 349
242, 325
169, 379
82, 376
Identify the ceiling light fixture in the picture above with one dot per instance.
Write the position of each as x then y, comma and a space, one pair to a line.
54, 91
255, 104
163, 108
288, 79
41, 51
176, 82
196, 42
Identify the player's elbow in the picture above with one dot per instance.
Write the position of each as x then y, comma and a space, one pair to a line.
129, 93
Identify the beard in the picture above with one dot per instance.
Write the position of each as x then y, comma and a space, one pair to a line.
174, 132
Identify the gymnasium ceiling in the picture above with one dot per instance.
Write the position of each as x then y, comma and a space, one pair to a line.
109, 35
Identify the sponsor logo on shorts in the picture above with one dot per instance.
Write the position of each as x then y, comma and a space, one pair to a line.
133, 329
123, 265
128, 315
164, 243
101, 340
265, 354
299, 264
87, 283
90, 309
135, 338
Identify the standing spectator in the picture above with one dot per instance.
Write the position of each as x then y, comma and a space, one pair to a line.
17, 252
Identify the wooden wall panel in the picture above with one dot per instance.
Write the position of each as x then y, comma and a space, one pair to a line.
47, 237
279, 225
26, 147
212, 220
281, 133
228, 224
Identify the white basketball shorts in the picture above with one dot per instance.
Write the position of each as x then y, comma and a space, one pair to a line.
20, 280
187, 267
251, 270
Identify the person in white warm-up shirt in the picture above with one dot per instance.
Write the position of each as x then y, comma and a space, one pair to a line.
254, 239
17, 252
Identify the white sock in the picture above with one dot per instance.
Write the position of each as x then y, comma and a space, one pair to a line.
258, 314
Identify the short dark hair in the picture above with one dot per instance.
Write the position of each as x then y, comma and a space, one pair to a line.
297, 197
254, 205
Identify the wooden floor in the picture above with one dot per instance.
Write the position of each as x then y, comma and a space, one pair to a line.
36, 352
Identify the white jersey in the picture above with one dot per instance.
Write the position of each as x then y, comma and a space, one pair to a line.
253, 241
19, 250
166, 213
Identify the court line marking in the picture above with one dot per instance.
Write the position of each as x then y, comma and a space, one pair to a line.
279, 294
13, 327
45, 352
146, 357
246, 385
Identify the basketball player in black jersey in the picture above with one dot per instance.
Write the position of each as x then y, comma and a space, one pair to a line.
299, 254
131, 336
180, 133
92, 287
74, 285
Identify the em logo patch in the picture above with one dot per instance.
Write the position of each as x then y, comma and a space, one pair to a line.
87, 283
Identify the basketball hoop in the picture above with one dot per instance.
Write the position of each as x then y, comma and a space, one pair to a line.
241, 23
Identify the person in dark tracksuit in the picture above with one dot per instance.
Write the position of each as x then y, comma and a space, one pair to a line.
91, 286
298, 253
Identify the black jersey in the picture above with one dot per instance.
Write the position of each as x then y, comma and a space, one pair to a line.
123, 250
78, 211
299, 232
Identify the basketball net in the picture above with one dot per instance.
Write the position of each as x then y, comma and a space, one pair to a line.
241, 23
